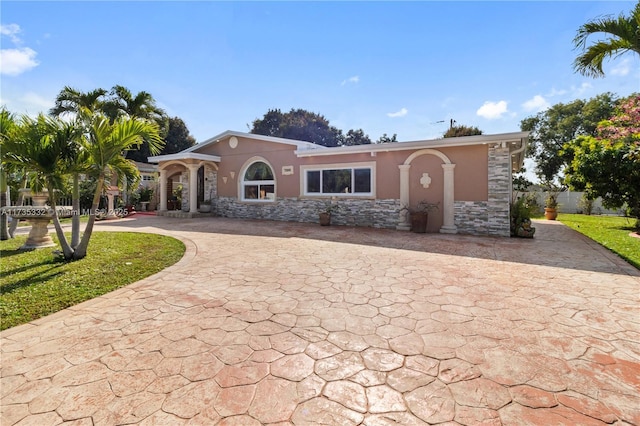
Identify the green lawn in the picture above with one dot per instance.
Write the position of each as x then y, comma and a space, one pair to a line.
34, 284
610, 231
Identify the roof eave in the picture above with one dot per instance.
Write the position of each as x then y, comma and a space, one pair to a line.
184, 155
429, 143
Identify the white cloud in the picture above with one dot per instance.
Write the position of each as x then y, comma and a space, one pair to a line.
400, 113
492, 110
355, 79
29, 103
36, 101
12, 31
555, 92
536, 104
577, 91
622, 69
17, 61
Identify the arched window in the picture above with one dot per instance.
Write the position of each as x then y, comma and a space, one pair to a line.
258, 183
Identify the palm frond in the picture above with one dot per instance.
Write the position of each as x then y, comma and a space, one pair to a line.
623, 35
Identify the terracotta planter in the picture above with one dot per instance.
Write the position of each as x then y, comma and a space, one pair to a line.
419, 222
550, 214
325, 219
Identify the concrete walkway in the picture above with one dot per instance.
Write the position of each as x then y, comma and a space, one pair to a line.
285, 323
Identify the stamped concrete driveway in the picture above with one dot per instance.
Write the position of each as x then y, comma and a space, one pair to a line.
283, 323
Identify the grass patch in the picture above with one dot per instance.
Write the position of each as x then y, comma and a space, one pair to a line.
611, 232
34, 283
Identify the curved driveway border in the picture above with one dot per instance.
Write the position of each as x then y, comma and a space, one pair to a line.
285, 323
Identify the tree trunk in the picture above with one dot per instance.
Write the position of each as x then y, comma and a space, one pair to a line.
67, 251
75, 218
4, 231
14, 222
81, 250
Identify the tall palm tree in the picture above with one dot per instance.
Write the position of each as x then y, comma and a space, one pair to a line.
623, 36
70, 101
105, 144
123, 103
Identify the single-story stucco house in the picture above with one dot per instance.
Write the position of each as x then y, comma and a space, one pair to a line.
245, 175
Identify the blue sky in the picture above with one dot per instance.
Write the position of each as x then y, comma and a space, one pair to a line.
385, 67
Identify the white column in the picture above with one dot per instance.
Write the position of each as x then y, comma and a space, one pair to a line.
111, 212
448, 222
403, 223
163, 190
193, 188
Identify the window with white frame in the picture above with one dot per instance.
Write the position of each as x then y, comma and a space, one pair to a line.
339, 180
258, 183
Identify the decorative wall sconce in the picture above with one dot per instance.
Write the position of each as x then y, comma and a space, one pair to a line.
233, 174
425, 180
224, 179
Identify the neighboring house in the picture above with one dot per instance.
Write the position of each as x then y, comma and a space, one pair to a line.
261, 177
148, 174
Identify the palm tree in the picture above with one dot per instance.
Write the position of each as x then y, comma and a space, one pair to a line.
105, 145
142, 106
7, 124
624, 36
70, 101
40, 146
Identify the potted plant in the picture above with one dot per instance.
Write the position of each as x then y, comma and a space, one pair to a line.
325, 213
419, 215
551, 206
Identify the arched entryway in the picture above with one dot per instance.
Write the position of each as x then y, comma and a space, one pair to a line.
194, 183
448, 222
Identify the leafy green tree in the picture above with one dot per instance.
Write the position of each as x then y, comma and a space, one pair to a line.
356, 137
553, 128
623, 36
608, 165
303, 125
387, 139
298, 124
461, 130
178, 137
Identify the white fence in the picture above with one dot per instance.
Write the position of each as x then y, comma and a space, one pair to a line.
569, 202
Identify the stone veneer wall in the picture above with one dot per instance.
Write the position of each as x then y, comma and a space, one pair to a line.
210, 184
489, 217
354, 212
471, 217
499, 191
185, 190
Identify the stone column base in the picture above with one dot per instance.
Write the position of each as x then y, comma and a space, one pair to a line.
39, 235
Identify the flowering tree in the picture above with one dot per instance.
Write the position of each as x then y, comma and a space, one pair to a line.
608, 165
